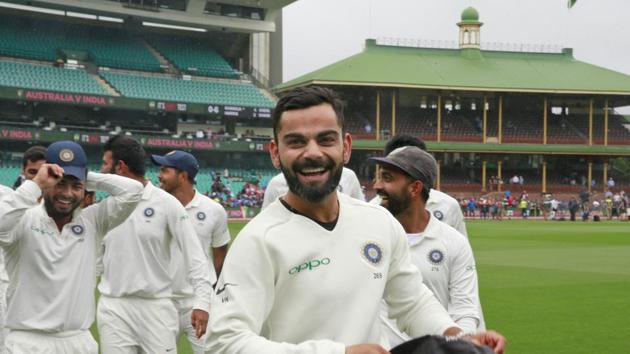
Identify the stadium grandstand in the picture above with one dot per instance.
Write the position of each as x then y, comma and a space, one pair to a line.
192, 75
487, 112
198, 75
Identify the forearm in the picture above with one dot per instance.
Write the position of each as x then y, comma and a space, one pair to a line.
122, 188
15, 204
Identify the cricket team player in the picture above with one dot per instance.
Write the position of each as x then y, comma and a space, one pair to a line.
308, 273
349, 184
50, 250
135, 312
178, 170
441, 253
4, 283
444, 207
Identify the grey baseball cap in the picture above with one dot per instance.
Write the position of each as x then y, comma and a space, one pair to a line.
413, 161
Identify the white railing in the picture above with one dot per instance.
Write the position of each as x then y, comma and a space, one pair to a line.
493, 46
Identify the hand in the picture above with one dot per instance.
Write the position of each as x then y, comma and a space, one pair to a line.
199, 321
491, 339
366, 349
48, 176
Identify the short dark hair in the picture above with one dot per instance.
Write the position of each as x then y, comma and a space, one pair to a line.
129, 150
404, 140
33, 154
305, 97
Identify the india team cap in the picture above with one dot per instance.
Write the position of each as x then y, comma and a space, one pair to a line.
180, 160
412, 160
439, 345
70, 156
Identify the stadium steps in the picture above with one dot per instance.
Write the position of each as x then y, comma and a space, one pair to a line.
168, 67
110, 89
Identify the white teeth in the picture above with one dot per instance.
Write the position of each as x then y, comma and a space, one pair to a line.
313, 170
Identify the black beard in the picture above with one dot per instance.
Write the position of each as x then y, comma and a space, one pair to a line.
317, 193
56, 214
396, 204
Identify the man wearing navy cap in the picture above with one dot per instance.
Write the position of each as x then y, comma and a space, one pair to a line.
51, 248
178, 170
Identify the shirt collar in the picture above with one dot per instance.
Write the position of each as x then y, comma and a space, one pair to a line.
429, 232
195, 202
148, 190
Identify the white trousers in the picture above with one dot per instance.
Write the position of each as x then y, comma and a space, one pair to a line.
133, 325
184, 309
72, 342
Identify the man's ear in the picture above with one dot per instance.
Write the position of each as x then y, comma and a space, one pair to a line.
347, 147
274, 153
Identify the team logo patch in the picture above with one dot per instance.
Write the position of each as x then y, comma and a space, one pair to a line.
436, 257
77, 229
66, 155
149, 212
438, 215
373, 253
201, 216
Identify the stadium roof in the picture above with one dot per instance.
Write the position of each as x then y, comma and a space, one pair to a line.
467, 69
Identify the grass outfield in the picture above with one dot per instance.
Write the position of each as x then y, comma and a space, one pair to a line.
550, 287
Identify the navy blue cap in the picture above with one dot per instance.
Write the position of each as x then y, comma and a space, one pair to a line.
70, 156
180, 160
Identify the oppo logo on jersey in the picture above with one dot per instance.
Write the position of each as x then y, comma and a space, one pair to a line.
309, 265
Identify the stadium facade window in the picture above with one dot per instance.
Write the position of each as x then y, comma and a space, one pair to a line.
220, 9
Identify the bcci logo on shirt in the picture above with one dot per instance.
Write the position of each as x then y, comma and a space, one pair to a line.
149, 212
77, 230
438, 215
201, 216
436, 257
372, 252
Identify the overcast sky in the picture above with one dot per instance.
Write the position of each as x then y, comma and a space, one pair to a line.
321, 32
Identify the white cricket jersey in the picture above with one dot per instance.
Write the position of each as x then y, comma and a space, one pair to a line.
4, 277
289, 285
348, 184
444, 207
448, 268
210, 222
137, 256
52, 273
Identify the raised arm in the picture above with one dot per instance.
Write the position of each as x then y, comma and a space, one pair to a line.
125, 193
13, 205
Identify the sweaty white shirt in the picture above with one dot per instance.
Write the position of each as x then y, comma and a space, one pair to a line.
444, 207
348, 184
52, 273
448, 268
290, 286
137, 256
210, 222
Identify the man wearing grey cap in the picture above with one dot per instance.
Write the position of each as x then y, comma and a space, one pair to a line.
442, 254
51, 251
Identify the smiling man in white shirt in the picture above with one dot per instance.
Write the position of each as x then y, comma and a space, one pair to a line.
308, 273
178, 170
51, 248
442, 254
135, 312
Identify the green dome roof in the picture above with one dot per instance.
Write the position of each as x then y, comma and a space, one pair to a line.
470, 15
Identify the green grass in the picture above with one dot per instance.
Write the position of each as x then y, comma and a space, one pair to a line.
550, 287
